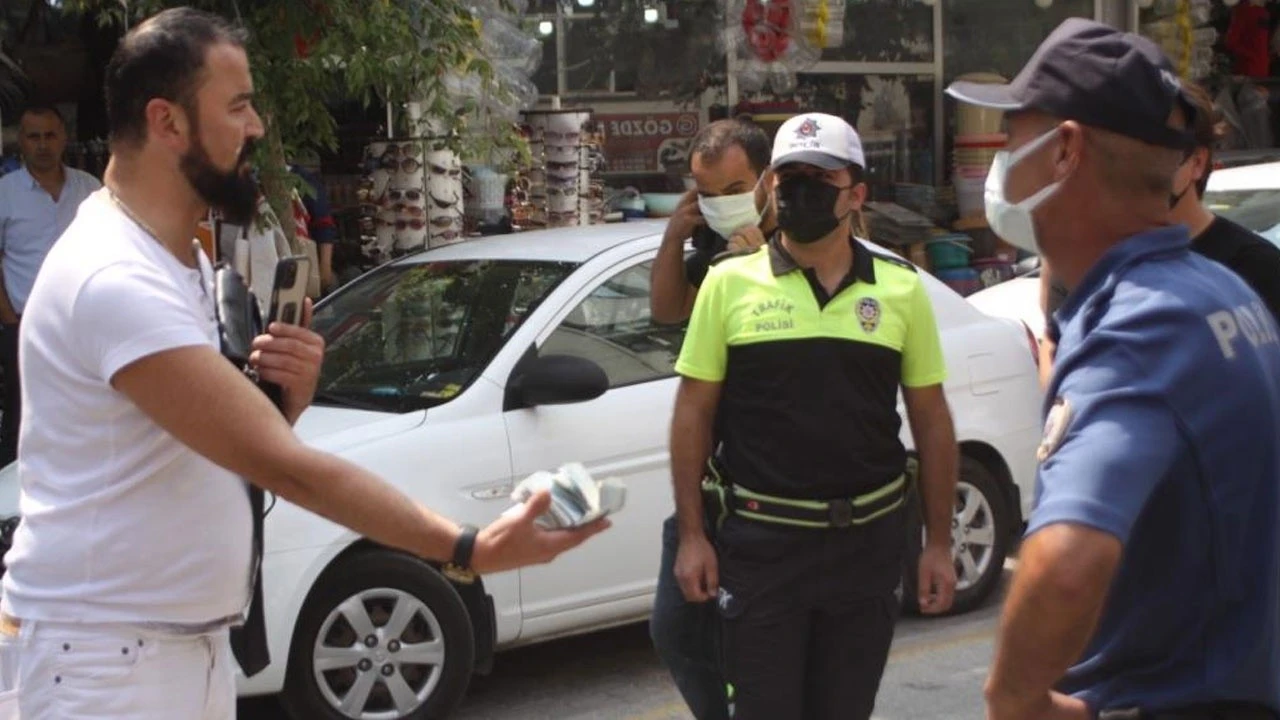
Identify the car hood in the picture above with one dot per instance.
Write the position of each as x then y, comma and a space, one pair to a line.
334, 429
331, 429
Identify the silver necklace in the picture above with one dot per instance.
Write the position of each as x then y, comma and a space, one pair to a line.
142, 224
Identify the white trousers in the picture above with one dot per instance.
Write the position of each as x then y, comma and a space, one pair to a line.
114, 672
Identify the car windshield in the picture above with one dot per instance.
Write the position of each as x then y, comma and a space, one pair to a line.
1258, 210
412, 336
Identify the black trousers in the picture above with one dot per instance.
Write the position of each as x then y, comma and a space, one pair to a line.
808, 616
12, 394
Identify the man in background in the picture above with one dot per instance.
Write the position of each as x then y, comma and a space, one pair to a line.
37, 203
321, 227
727, 211
1243, 251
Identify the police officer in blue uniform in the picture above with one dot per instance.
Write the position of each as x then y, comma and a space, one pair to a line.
1148, 584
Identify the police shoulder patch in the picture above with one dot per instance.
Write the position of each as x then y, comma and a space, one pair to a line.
1055, 428
891, 258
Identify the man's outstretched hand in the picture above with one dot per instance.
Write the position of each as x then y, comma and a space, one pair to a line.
513, 541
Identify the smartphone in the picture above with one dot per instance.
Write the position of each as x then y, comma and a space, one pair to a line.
290, 290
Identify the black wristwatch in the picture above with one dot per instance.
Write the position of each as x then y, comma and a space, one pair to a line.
459, 568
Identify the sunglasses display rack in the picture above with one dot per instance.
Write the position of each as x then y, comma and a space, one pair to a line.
559, 188
410, 198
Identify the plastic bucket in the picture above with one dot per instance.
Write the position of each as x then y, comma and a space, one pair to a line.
975, 120
963, 280
946, 253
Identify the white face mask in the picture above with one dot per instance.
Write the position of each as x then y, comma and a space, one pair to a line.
727, 213
1012, 221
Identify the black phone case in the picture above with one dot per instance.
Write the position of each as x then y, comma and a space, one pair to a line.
239, 322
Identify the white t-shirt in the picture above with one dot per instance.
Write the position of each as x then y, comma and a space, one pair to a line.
121, 522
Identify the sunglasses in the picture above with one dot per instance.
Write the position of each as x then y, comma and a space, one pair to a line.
446, 235
562, 165
566, 191
556, 137
446, 221
441, 170
416, 211
407, 149
570, 216
444, 204
410, 224
404, 194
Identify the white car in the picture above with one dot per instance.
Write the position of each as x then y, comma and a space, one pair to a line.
1017, 299
458, 371
1247, 194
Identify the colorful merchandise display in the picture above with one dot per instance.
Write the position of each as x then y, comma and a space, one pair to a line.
411, 198
772, 40
559, 187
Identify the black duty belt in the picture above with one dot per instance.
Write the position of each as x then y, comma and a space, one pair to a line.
727, 498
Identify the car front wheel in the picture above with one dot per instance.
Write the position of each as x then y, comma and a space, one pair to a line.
383, 636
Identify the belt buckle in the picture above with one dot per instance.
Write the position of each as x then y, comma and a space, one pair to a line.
840, 512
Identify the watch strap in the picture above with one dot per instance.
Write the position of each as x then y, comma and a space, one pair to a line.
465, 546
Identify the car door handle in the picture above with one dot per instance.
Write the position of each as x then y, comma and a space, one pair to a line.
493, 492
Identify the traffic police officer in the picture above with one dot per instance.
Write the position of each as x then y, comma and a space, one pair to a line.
1148, 585
801, 349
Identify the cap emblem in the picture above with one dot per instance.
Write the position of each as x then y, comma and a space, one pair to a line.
808, 129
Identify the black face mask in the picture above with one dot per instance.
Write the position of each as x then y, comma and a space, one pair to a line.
1175, 198
806, 207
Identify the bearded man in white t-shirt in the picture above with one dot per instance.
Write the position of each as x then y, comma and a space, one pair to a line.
133, 557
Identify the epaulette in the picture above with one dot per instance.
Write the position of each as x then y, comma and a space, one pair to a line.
732, 254
891, 258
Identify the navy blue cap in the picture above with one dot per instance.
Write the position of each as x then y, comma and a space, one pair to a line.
1098, 76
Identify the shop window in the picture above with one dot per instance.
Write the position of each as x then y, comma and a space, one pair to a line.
893, 115
999, 36
612, 328
593, 65
886, 31
543, 27
608, 50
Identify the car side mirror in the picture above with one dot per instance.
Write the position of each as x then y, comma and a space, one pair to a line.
554, 380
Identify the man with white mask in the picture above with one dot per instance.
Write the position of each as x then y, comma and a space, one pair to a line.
1148, 584
727, 213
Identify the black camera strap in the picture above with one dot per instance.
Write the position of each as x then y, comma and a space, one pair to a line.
238, 323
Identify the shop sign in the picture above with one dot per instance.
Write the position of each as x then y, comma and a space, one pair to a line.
647, 142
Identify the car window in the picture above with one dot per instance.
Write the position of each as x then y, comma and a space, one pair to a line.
1258, 210
612, 328
414, 336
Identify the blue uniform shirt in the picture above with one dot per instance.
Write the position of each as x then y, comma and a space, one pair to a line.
1161, 429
